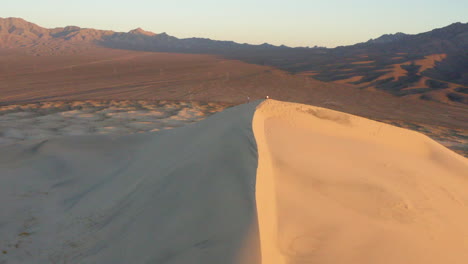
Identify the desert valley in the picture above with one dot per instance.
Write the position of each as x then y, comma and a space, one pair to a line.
140, 147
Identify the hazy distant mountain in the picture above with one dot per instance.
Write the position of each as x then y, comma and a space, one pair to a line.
15, 32
140, 31
441, 40
18, 33
388, 38
431, 65
450, 44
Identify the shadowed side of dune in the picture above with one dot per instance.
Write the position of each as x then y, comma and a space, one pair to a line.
181, 196
340, 189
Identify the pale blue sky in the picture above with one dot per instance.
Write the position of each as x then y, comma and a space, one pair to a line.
294, 23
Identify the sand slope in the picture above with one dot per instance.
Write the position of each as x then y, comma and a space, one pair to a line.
179, 196
268, 183
336, 188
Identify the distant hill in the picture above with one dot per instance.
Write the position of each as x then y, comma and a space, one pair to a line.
430, 66
19, 33
388, 38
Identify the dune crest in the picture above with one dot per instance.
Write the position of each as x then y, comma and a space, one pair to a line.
337, 188
261, 183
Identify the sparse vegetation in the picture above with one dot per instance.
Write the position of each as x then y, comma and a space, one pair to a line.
426, 97
370, 76
462, 90
455, 97
411, 91
434, 84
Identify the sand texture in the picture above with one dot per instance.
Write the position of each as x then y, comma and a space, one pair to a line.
336, 188
185, 195
48, 120
267, 182
45, 120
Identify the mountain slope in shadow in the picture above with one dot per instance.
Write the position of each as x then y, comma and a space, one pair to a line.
370, 65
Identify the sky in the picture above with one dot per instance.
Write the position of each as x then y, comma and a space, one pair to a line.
294, 23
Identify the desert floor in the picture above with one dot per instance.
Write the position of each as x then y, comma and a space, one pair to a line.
107, 74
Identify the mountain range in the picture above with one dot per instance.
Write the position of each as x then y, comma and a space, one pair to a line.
430, 66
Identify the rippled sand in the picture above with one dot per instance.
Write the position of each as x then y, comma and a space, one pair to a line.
52, 119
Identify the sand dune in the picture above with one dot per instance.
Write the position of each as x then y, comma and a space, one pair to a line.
61, 118
336, 188
177, 196
266, 182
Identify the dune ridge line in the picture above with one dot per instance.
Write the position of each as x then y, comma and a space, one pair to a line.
337, 188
